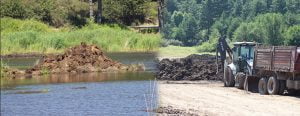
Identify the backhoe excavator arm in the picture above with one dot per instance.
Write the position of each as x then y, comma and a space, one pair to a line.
223, 48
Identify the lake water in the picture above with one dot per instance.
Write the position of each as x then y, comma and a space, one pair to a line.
130, 93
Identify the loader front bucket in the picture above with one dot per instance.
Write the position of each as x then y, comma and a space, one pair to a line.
251, 84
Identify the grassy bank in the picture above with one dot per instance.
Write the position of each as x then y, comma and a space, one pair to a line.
178, 51
27, 36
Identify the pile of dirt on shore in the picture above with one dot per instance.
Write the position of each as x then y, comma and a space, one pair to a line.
163, 111
193, 67
79, 59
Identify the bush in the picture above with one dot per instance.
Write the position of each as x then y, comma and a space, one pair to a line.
16, 25
167, 42
211, 44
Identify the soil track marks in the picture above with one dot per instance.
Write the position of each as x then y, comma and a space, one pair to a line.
211, 98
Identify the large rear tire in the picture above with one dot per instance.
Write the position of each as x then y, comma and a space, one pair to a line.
228, 78
246, 87
241, 80
273, 86
262, 86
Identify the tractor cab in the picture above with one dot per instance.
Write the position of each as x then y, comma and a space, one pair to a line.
243, 55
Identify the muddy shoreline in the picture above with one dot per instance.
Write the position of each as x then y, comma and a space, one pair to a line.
78, 59
34, 55
25, 55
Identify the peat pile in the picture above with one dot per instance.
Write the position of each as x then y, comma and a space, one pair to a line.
193, 67
165, 111
79, 59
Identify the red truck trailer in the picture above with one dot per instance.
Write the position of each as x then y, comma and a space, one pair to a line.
278, 68
255, 67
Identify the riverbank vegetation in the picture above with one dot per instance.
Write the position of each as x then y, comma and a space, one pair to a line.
202, 22
179, 51
27, 36
51, 26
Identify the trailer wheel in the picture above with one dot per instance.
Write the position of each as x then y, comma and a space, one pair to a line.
273, 86
228, 78
262, 86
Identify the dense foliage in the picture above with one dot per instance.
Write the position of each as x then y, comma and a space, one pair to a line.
27, 36
76, 12
202, 22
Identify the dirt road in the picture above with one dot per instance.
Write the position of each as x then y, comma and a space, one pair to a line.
211, 98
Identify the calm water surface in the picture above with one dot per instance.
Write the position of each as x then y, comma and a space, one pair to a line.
82, 94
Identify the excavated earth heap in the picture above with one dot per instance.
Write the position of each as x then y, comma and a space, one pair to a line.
193, 67
79, 59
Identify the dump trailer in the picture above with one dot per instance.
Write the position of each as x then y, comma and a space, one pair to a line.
277, 67
258, 68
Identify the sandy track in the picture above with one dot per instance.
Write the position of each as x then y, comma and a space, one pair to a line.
211, 98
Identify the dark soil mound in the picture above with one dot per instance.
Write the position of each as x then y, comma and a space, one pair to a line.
82, 58
162, 111
193, 67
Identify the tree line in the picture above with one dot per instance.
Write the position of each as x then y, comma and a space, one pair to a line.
202, 22
77, 12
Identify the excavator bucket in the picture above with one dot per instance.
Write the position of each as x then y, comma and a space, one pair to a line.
251, 83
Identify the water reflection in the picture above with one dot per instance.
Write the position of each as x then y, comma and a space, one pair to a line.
104, 93
77, 78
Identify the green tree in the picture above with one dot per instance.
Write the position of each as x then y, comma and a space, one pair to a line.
14, 9
278, 6
234, 24
293, 6
293, 36
125, 11
177, 18
274, 25
264, 21
250, 32
189, 25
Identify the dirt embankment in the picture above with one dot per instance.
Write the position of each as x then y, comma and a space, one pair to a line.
193, 67
79, 59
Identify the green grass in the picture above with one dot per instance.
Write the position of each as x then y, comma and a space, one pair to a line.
3, 67
40, 38
178, 51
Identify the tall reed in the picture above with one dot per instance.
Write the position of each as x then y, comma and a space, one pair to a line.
44, 39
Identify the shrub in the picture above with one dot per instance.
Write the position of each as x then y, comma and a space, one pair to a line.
211, 44
16, 25
167, 42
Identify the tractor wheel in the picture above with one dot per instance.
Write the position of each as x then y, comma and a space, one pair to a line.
241, 80
273, 86
282, 87
246, 84
228, 78
262, 86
